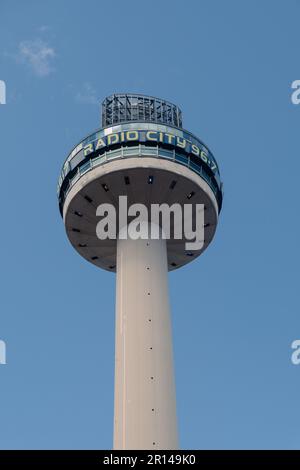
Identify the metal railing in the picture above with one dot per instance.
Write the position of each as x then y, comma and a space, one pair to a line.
141, 151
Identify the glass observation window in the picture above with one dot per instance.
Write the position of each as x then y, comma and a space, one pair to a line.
166, 153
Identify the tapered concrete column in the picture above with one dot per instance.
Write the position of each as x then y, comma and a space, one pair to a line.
145, 405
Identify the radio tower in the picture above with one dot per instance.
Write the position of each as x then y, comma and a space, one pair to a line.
142, 152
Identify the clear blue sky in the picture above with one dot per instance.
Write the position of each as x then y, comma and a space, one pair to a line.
229, 66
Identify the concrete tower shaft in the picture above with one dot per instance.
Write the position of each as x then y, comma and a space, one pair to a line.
145, 408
